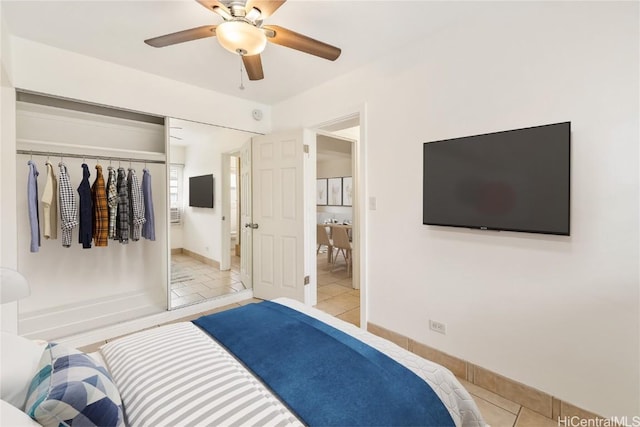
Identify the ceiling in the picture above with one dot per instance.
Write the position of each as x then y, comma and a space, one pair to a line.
114, 31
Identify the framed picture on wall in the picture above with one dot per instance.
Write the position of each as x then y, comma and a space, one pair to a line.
334, 191
347, 191
321, 192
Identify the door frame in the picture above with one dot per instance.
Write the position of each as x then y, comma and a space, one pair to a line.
360, 217
225, 223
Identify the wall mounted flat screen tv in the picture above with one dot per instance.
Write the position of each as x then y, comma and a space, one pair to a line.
516, 180
201, 191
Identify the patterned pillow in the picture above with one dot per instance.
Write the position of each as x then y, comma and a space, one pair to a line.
71, 389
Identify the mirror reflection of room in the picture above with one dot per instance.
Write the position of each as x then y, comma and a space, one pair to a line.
197, 211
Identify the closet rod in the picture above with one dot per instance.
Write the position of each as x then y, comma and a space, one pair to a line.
81, 156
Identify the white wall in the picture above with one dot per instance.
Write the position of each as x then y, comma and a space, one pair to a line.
335, 167
558, 313
8, 257
54, 71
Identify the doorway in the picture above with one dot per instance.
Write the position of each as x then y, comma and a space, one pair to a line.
338, 291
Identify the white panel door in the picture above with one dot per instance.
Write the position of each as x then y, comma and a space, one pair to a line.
278, 213
246, 238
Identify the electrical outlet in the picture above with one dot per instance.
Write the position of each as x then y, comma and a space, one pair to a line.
438, 327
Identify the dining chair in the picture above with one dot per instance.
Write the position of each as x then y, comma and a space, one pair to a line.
342, 244
324, 240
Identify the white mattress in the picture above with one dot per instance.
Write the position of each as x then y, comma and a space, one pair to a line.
177, 375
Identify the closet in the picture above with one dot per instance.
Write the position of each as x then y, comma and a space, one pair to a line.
75, 289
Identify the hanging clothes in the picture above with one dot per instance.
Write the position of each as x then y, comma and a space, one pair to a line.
86, 209
112, 201
68, 208
149, 226
50, 204
122, 219
32, 200
136, 205
100, 210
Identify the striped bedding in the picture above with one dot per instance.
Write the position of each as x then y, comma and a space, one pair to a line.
176, 375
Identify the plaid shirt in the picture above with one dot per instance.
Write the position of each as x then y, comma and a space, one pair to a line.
136, 205
100, 210
68, 208
122, 220
112, 201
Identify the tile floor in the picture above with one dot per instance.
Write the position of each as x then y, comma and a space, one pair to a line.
193, 280
336, 295
338, 298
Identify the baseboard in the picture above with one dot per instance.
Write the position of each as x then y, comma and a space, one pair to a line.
201, 258
524, 395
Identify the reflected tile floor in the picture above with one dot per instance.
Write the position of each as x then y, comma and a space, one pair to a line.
193, 280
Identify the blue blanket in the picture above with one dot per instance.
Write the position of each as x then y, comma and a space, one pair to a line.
326, 377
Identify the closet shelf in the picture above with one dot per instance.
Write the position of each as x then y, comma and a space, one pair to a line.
46, 148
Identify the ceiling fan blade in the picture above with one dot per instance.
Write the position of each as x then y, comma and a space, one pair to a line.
212, 4
266, 7
182, 36
302, 43
253, 65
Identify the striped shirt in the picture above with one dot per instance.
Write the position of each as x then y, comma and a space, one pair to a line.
100, 210
136, 205
68, 208
122, 220
112, 201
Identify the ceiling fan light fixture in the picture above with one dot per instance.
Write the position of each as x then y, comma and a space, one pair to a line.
253, 15
241, 37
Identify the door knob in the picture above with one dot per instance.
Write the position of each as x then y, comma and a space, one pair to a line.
251, 225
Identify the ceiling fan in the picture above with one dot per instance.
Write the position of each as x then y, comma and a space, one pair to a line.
242, 33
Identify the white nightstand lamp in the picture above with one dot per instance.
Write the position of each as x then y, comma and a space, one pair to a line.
13, 286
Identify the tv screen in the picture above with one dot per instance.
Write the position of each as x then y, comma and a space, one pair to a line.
516, 180
201, 191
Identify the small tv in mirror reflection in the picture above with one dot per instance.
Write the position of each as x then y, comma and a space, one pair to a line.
201, 191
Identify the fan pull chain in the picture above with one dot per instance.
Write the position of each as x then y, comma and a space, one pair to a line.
241, 84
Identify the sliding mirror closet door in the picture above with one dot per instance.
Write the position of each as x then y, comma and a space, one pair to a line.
203, 222
81, 280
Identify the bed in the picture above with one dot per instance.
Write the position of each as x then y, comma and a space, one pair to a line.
276, 363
